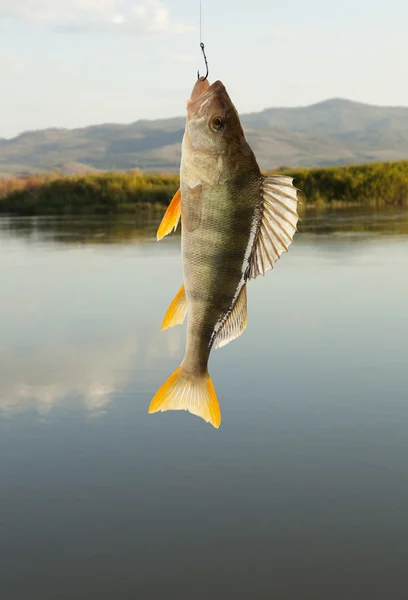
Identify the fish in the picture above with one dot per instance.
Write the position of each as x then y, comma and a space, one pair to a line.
235, 224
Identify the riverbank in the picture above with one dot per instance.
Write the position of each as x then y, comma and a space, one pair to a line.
374, 184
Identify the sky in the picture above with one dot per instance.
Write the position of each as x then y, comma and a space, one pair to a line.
72, 63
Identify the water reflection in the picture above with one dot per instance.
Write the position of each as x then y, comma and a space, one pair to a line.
142, 228
83, 231
87, 324
349, 221
84, 375
78, 327
45, 379
307, 474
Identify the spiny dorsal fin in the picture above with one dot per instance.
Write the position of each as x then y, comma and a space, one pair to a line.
171, 217
176, 313
278, 223
236, 321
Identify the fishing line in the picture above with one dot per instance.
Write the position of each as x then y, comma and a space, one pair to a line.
201, 24
202, 47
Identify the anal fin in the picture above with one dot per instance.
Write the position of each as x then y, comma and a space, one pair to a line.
236, 321
171, 217
176, 313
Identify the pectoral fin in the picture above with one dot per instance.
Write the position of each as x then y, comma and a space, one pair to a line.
192, 207
278, 223
176, 313
171, 217
236, 321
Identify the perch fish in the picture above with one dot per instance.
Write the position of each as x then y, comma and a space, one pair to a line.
236, 223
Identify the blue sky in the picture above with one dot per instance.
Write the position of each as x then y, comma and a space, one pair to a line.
71, 63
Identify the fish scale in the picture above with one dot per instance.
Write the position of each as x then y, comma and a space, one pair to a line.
213, 268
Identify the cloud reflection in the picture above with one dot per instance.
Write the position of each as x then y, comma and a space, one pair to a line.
85, 377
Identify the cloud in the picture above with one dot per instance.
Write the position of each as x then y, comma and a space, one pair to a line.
290, 33
183, 58
150, 17
10, 65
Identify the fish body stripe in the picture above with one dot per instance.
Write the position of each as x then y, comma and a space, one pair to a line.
213, 262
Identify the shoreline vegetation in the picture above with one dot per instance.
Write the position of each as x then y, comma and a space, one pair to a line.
370, 185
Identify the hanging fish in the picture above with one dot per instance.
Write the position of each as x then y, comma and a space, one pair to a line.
236, 223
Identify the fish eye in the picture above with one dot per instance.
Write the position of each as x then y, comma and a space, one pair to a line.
217, 123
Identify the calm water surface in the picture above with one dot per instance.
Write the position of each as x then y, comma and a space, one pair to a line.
301, 494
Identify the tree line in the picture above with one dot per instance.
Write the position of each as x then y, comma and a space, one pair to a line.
373, 184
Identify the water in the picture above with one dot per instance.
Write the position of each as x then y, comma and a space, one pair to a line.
301, 494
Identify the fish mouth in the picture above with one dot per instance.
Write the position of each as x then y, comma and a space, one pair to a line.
201, 94
217, 85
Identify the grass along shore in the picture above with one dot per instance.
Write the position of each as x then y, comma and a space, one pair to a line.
373, 184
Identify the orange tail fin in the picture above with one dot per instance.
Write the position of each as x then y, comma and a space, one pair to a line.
184, 391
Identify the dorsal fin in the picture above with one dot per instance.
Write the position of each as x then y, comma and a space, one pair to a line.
278, 223
236, 321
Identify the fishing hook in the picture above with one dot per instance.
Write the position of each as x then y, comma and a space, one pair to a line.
206, 63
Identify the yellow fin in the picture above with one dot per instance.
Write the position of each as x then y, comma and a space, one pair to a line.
185, 391
171, 217
176, 313
236, 321
278, 224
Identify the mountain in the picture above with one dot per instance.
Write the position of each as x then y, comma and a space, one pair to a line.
332, 132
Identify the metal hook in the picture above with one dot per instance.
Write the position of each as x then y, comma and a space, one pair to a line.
206, 63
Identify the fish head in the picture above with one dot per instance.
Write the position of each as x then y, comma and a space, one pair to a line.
213, 123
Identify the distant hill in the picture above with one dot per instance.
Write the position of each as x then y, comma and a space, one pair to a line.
333, 132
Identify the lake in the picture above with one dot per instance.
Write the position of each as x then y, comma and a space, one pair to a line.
303, 491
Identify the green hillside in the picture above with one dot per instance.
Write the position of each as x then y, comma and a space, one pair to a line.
334, 132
